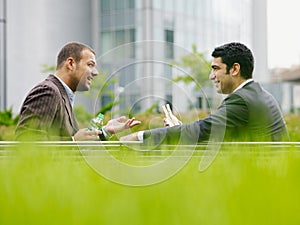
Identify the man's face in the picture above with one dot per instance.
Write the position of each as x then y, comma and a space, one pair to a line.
85, 70
222, 80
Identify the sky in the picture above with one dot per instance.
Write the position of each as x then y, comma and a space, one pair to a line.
283, 33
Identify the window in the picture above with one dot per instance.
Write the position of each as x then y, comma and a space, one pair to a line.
112, 5
127, 75
105, 6
112, 39
169, 48
106, 41
169, 100
131, 4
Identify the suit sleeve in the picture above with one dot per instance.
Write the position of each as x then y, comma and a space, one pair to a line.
231, 113
37, 114
181, 134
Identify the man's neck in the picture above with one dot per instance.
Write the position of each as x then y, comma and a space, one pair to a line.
64, 79
70, 93
242, 84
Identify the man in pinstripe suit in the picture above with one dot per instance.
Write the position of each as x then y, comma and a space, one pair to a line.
47, 113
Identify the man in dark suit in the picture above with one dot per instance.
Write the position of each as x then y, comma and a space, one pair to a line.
47, 113
248, 113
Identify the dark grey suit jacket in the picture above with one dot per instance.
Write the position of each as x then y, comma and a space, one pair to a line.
249, 114
46, 113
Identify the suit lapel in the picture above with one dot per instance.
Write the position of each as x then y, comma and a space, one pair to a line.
66, 101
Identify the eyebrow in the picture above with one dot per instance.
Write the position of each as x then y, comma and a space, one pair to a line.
92, 61
215, 67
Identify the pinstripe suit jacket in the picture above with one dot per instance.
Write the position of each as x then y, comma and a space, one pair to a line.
46, 113
249, 114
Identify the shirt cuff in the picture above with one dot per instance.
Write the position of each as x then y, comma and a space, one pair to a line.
140, 135
106, 133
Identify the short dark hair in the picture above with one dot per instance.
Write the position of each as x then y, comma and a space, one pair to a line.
236, 53
72, 49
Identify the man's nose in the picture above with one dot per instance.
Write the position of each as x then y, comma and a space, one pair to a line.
212, 75
95, 72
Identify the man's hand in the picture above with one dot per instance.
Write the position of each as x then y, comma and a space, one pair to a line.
87, 135
170, 120
120, 124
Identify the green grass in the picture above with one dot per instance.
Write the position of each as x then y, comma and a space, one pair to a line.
242, 186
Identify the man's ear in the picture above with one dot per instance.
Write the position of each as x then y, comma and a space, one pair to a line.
70, 63
236, 69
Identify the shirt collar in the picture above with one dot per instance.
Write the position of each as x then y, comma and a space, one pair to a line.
243, 84
70, 93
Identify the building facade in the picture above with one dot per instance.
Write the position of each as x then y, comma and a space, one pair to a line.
140, 39
137, 42
3, 55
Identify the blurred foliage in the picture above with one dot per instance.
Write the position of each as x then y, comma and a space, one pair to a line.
150, 119
8, 122
82, 115
153, 108
104, 86
7, 118
293, 124
48, 68
197, 67
107, 107
100, 85
7, 133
